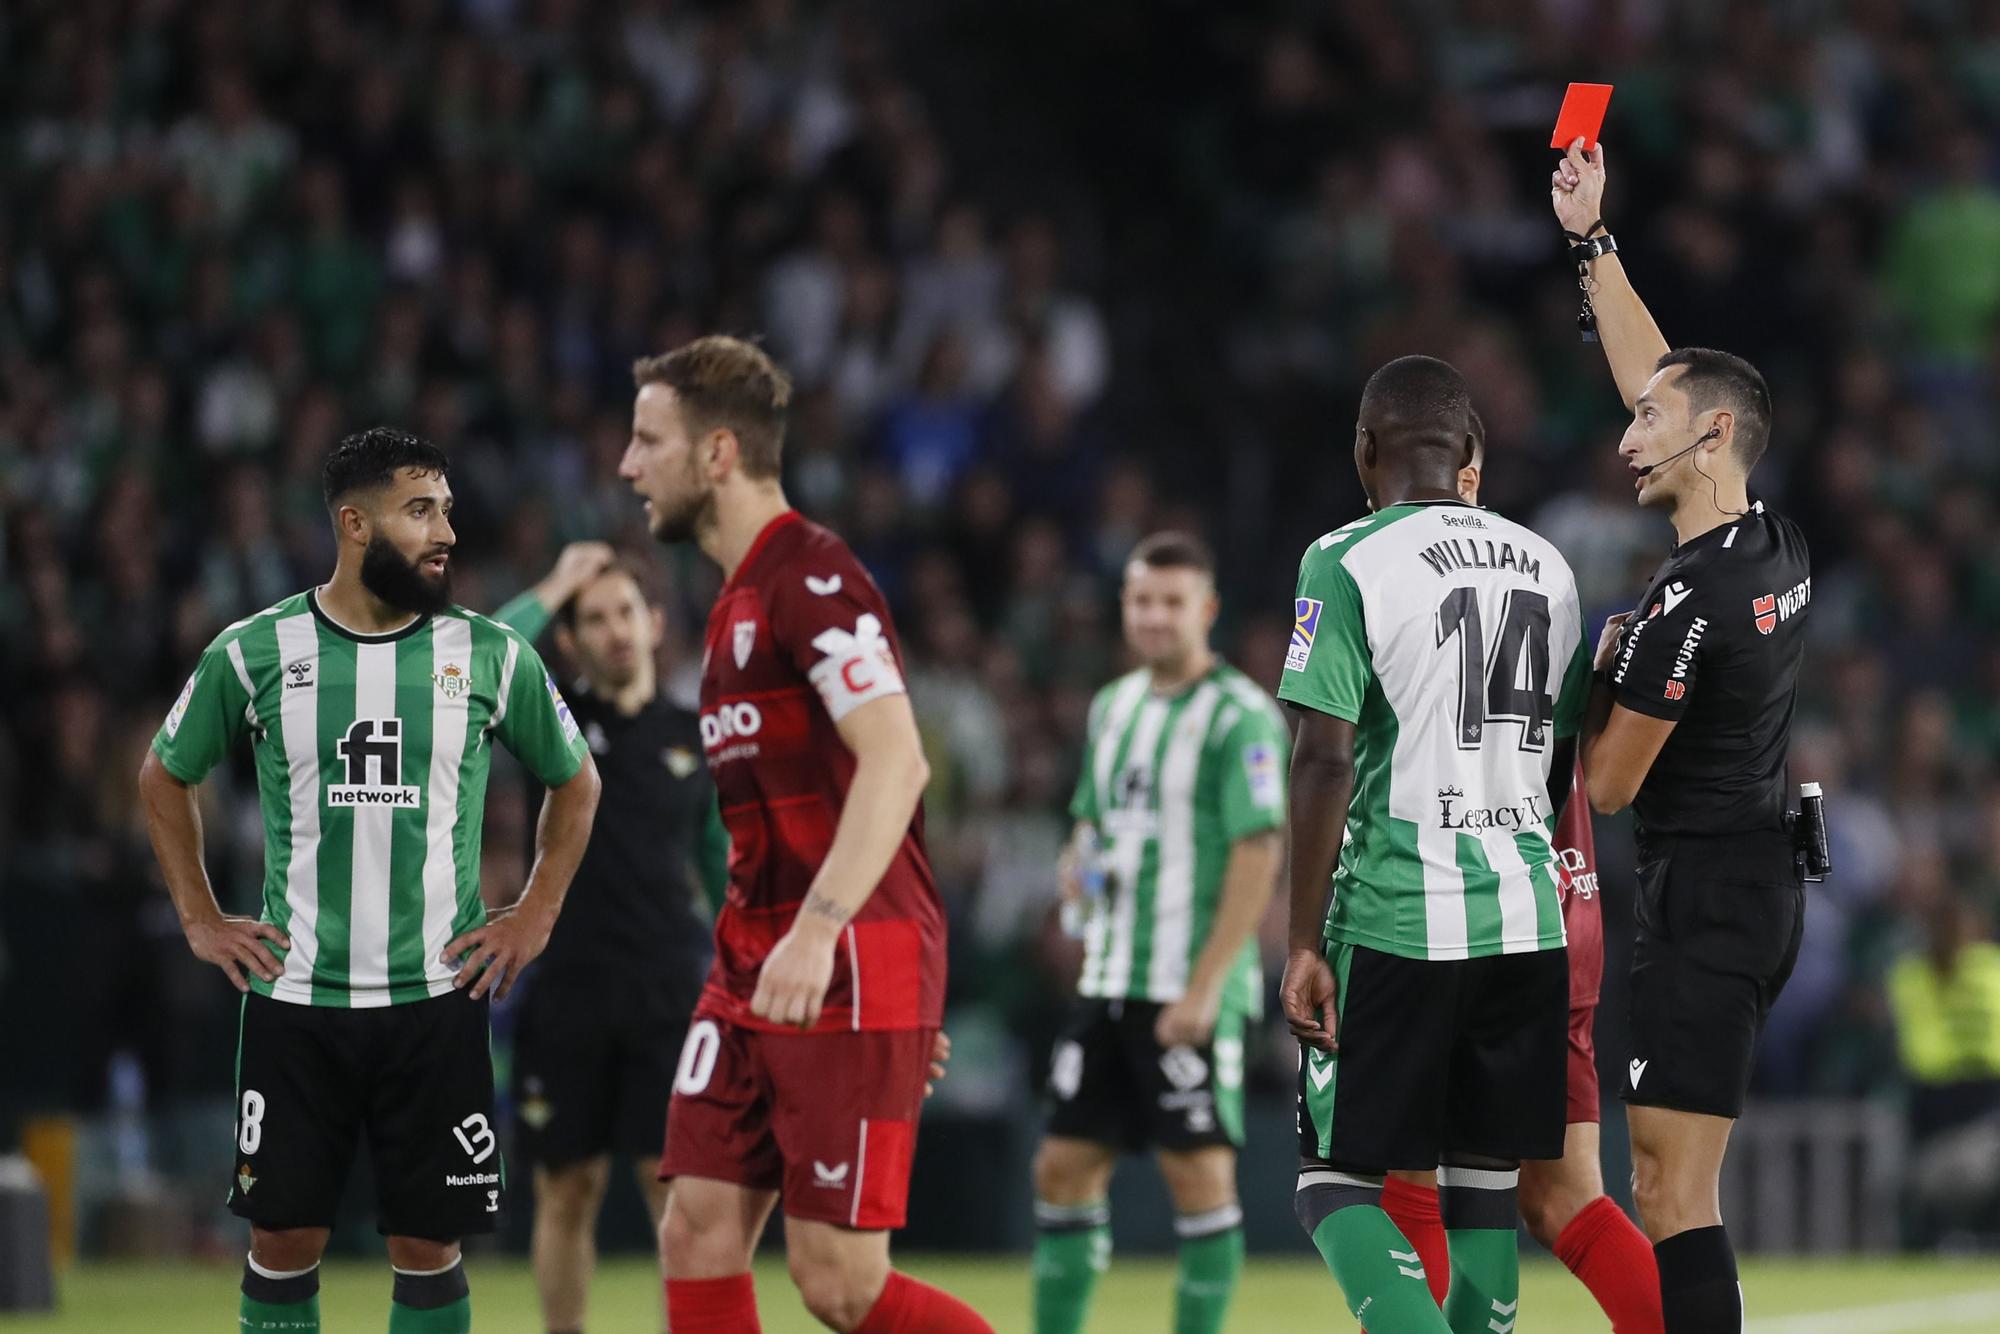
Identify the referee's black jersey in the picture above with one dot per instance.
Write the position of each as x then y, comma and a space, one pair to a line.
1715, 645
631, 907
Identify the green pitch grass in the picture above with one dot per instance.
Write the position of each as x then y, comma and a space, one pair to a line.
1828, 1297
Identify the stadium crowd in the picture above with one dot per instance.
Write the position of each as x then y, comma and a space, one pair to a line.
1033, 316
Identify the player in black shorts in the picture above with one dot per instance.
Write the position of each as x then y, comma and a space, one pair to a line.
605, 1010
1689, 723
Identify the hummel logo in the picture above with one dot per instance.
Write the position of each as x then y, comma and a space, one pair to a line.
1319, 1068
1407, 1263
826, 588
834, 1177
1675, 593
1507, 1309
1637, 1069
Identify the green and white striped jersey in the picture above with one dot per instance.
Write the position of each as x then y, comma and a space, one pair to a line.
1170, 782
1451, 638
372, 755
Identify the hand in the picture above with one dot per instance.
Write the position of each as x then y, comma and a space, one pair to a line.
791, 986
1607, 640
1576, 187
940, 1058
576, 565
234, 944
1189, 1021
1069, 875
490, 958
1306, 995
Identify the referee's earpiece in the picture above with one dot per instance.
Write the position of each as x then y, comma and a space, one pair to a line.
1649, 469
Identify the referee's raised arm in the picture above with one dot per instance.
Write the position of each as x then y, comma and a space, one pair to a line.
1689, 722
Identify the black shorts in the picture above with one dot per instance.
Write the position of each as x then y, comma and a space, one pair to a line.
1438, 1056
416, 1080
1718, 928
594, 1066
1112, 1083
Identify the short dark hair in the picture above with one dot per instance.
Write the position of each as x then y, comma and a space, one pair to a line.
1418, 392
1712, 380
1175, 550
727, 383
372, 458
566, 613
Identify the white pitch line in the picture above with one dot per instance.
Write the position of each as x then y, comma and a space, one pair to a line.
1965, 1308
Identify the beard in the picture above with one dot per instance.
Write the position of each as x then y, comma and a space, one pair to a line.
693, 512
402, 583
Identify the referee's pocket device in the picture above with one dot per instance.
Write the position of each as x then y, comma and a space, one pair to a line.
1808, 824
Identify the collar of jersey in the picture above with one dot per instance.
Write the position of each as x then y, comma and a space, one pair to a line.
389, 637
758, 543
1426, 504
1756, 511
1213, 672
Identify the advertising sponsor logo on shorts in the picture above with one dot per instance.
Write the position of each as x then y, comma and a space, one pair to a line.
471, 1178
1183, 1067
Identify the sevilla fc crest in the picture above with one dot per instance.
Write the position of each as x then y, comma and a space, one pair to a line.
745, 639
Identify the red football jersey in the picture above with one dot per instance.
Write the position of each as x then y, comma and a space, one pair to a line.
800, 636
1583, 915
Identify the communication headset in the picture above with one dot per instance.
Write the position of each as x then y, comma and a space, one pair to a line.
1713, 486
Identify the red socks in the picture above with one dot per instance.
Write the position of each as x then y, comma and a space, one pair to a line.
1414, 1211
712, 1305
909, 1307
1615, 1261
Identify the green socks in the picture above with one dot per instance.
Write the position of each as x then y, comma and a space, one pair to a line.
1072, 1247
280, 1303
1378, 1270
1211, 1259
439, 1302
279, 1317
1479, 1208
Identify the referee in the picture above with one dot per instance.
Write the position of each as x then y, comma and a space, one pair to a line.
1689, 723
607, 1004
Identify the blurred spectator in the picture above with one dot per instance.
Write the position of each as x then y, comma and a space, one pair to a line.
1039, 295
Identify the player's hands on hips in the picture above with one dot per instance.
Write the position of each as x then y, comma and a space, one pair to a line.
237, 945
1607, 640
1576, 187
1307, 998
940, 1058
791, 986
1189, 1021
490, 958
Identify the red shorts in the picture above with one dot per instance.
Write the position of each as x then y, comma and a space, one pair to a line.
828, 1118
1582, 1066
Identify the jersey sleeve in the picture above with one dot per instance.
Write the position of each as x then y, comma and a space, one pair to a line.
1575, 693
1083, 802
210, 716
1255, 757
834, 626
1327, 665
536, 725
1659, 661
525, 612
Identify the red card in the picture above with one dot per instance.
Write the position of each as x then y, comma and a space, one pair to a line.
1582, 115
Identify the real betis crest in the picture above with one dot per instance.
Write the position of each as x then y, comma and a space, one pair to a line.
452, 680
244, 1181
